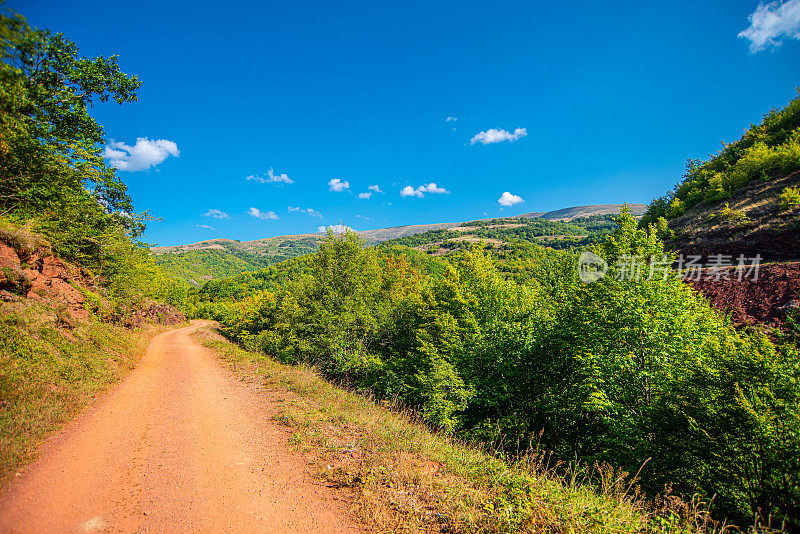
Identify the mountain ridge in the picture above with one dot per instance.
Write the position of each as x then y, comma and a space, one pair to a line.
393, 232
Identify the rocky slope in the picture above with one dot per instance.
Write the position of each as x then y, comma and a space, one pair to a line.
30, 271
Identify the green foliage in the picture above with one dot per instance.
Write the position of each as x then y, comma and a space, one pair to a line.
508, 347
790, 197
726, 214
54, 180
577, 233
765, 151
197, 266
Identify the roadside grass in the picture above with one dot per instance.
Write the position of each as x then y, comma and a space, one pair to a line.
48, 372
406, 478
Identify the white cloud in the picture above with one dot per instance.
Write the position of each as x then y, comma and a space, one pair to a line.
337, 185
451, 118
365, 195
409, 191
312, 212
336, 228
263, 215
207, 227
508, 200
420, 191
375, 188
270, 178
770, 22
494, 135
143, 155
217, 214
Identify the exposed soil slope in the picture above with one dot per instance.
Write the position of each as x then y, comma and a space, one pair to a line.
766, 300
179, 446
30, 270
755, 224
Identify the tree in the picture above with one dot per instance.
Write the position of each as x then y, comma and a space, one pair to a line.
50, 160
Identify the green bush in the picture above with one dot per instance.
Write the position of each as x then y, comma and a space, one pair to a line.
790, 197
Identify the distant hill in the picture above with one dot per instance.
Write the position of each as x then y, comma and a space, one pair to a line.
217, 258
567, 214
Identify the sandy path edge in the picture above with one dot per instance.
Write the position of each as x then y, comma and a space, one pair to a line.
180, 445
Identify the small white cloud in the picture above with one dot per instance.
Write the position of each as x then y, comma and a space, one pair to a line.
359, 216
495, 135
338, 185
420, 191
409, 191
365, 195
143, 155
270, 178
217, 214
451, 118
508, 200
336, 228
375, 188
263, 215
770, 22
312, 212
207, 227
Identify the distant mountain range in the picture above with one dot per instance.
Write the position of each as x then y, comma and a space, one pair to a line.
262, 246
215, 258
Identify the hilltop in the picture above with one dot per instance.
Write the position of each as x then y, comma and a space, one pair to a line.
743, 200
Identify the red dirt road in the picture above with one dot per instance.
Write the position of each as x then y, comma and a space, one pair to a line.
179, 446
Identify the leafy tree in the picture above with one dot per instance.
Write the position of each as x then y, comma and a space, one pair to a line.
50, 161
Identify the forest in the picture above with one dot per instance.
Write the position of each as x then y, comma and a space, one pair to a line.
515, 352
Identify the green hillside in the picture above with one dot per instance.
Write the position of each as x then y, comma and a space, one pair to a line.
766, 151
745, 199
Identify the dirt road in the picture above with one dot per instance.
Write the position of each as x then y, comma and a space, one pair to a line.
179, 446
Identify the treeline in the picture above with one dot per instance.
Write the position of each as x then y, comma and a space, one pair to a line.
194, 265
765, 151
517, 352
53, 179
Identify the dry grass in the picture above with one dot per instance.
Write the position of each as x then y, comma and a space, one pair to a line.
406, 478
48, 373
22, 239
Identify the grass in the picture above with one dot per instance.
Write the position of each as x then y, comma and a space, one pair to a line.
48, 372
406, 478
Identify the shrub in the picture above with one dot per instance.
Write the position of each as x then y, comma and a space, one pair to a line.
727, 215
790, 197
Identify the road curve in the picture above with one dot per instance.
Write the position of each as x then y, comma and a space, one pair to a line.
179, 446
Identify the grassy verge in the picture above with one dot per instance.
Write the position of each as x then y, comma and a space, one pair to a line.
406, 478
48, 372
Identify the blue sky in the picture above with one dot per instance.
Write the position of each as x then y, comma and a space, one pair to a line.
557, 104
